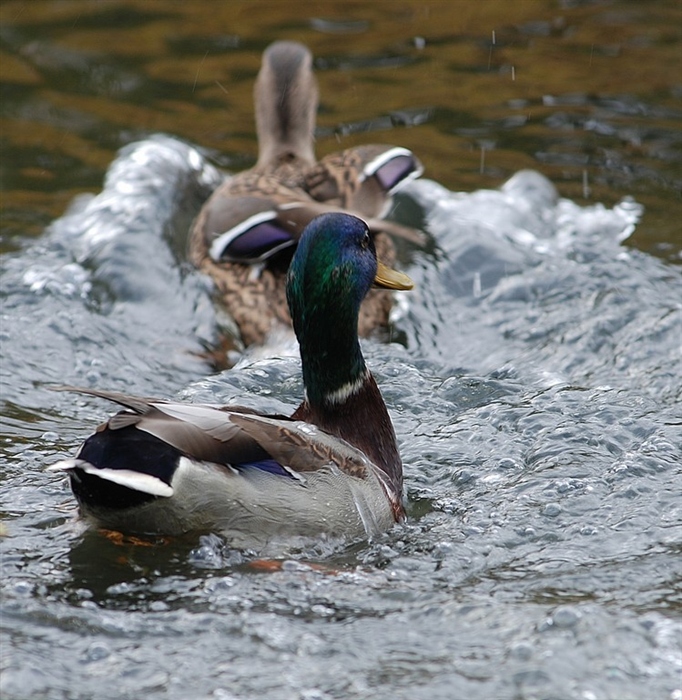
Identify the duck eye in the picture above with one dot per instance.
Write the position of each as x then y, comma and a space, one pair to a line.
365, 240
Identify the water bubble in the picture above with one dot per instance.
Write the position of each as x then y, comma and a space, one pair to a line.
23, 588
565, 617
530, 679
507, 463
293, 565
564, 486
465, 476
443, 549
522, 651
208, 555
222, 694
97, 651
93, 377
322, 610
314, 694
219, 584
551, 510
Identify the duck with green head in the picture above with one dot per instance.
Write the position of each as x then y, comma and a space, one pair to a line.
245, 234
331, 469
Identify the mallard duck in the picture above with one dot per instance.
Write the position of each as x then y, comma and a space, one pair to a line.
245, 234
331, 469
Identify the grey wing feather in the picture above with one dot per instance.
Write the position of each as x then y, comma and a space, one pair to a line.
199, 431
134, 403
228, 436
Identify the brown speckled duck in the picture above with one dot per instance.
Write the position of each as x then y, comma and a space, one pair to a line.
247, 231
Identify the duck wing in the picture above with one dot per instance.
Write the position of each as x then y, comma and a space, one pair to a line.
362, 179
232, 436
250, 230
198, 431
302, 446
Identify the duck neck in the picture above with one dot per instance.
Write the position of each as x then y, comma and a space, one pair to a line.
343, 399
286, 106
332, 362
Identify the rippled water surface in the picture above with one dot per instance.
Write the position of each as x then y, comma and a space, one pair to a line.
535, 380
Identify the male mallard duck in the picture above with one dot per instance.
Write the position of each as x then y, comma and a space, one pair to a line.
332, 468
245, 234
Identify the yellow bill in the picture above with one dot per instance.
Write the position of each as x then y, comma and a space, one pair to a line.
389, 278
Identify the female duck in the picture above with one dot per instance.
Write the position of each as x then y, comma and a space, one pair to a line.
331, 469
245, 234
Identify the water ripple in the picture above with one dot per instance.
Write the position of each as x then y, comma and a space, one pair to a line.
537, 409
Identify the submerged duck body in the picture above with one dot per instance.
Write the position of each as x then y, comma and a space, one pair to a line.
331, 469
246, 232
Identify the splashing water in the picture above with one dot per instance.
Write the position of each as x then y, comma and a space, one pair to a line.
537, 403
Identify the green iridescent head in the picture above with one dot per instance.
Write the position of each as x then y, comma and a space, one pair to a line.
334, 266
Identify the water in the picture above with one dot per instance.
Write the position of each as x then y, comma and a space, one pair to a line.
535, 384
